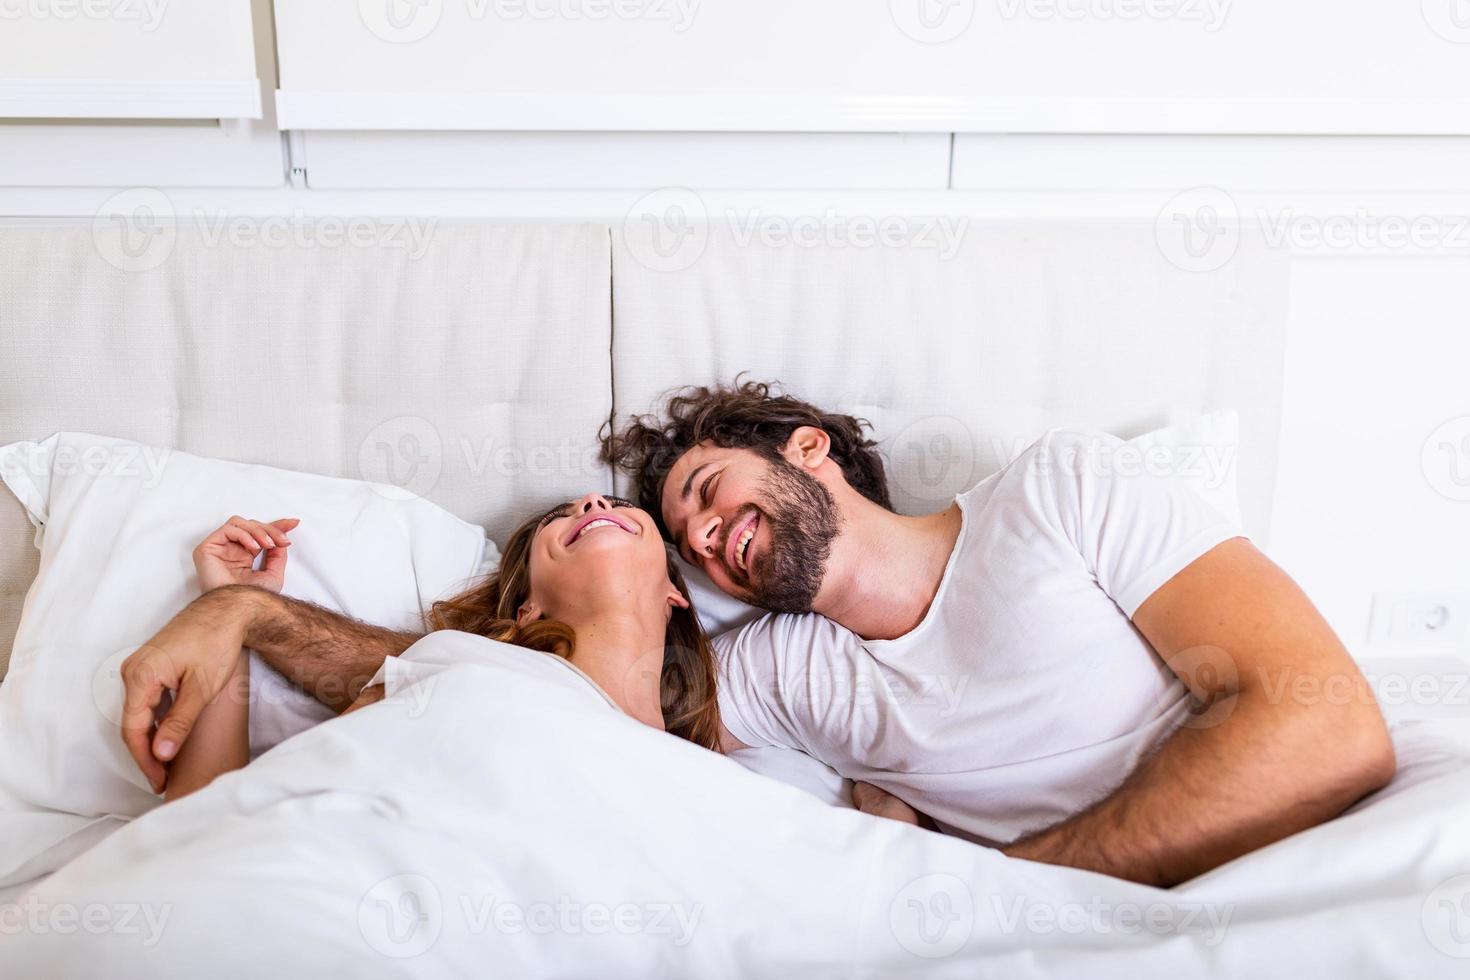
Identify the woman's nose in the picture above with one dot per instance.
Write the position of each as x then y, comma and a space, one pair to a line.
593, 501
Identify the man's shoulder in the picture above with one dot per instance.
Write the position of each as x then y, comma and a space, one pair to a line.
1060, 455
1060, 445
777, 635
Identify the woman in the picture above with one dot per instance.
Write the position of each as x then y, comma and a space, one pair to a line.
589, 582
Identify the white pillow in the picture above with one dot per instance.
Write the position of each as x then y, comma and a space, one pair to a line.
718, 612
116, 522
1201, 451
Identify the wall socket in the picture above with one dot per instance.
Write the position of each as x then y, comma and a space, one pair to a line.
1422, 620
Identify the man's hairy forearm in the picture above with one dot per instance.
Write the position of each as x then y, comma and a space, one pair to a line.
327, 655
1214, 793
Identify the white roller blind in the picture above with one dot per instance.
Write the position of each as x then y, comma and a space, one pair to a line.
1240, 66
127, 59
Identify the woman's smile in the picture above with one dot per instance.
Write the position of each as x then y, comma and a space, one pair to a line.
593, 521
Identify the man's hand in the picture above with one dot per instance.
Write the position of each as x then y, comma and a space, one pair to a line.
193, 656
327, 655
1286, 733
227, 556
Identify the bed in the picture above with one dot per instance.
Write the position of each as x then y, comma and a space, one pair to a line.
500, 350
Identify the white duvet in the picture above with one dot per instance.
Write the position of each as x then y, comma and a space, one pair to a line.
499, 818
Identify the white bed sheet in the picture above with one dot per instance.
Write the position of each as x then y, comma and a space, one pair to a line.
500, 819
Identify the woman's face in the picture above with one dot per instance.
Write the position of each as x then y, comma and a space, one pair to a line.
595, 552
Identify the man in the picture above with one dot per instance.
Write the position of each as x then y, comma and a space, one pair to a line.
1089, 668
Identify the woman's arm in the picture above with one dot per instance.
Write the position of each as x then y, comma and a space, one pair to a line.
881, 803
370, 695
220, 740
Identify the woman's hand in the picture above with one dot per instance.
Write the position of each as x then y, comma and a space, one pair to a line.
227, 556
880, 803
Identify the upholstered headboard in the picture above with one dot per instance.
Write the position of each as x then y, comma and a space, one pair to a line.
961, 358
478, 368
469, 364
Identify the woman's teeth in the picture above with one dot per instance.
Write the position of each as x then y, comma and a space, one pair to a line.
742, 545
597, 523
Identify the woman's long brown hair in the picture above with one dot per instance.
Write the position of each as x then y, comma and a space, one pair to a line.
687, 684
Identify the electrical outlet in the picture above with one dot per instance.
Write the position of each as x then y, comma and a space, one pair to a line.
1424, 621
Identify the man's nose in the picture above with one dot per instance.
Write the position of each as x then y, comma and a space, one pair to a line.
707, 534
592, 501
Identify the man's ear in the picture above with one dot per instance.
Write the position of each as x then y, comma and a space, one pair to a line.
807, 447
528, 613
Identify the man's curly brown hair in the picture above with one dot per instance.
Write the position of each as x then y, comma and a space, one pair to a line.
756, 415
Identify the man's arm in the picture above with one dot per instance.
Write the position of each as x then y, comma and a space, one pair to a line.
1287, 733
328, 655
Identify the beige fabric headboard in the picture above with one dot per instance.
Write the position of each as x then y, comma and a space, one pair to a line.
495, 355
477, 369
960, 358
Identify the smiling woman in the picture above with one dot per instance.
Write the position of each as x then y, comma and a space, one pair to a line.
591, 581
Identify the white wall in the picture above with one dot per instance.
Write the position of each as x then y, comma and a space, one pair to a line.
1378, 359
128, 59
1378, 338
1252, 66
127, 39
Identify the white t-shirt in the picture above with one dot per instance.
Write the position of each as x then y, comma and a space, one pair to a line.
1026, 693
438, 651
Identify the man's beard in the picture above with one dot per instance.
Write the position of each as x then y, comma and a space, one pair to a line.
802, 524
